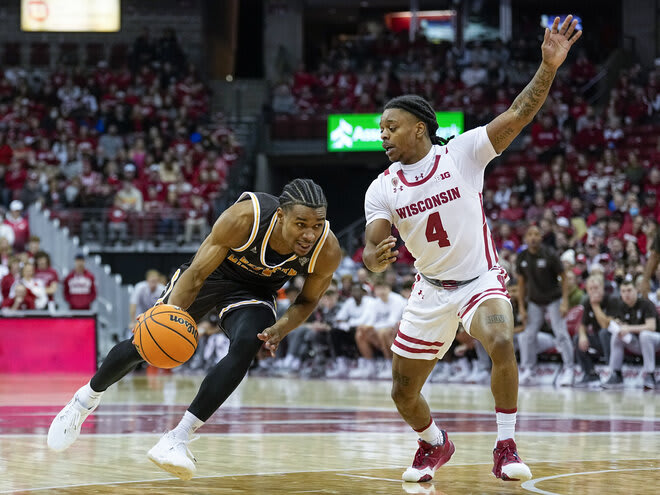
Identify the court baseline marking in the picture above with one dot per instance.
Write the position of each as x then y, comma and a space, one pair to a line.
531, 484
325, 409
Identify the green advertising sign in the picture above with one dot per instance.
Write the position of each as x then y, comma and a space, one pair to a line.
361, 131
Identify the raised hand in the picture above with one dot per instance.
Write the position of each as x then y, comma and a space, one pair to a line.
558, 40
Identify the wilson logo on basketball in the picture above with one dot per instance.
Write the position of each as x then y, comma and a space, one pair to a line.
182, 321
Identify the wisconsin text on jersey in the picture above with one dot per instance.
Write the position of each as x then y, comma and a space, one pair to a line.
260, 270
429, 203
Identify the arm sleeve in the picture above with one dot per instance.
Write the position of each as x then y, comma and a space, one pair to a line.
473, 151
375, 206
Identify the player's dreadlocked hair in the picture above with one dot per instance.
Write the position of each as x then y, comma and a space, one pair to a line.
303, 192
421, 109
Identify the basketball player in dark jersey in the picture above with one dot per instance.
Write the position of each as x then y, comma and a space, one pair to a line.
255, 247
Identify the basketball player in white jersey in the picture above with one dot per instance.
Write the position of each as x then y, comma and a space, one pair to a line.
432, 194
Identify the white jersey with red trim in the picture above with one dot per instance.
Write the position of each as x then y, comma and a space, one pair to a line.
436, 205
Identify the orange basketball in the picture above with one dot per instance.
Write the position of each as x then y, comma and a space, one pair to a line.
166, 336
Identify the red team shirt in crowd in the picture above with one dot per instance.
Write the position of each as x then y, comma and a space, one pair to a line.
47, 276
79, 290
21, 229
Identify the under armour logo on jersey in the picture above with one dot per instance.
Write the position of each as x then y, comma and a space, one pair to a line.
420, 294
421, 176
395, 189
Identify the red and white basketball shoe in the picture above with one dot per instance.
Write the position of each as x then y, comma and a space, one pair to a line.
428, 459
507, 464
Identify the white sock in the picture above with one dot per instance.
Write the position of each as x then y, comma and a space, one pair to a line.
506, 424
431, 434
187, 426
88, 397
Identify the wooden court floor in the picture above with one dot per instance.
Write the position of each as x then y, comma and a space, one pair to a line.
287, 436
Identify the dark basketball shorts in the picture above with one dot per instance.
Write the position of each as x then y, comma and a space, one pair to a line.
222, 295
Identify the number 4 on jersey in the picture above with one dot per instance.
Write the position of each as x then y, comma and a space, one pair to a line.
435, 232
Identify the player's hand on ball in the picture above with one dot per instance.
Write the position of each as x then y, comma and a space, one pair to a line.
272, 338
384, 254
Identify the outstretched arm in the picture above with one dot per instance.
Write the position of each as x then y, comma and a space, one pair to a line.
556, 44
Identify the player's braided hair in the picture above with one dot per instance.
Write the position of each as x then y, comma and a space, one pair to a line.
421, 109
303, 192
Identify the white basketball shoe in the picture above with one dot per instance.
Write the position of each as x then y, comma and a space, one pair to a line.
65, 428
173, 455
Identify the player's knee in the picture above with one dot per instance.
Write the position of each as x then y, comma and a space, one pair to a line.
246, 344
499, 346
400, 396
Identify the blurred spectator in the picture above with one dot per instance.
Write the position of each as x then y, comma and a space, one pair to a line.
14, 272
129, 197
196, 221
117, 221
283, 101
546, 138
110, 143
343, 334
33, 246
22, 299
593, 339
575, 294
5, 251
635, 317
144, 296
375, 330
47, 274
523, 185
79, 286
19, 225
33, 284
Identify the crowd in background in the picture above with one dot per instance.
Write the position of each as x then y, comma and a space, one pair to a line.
28, 281
136, 146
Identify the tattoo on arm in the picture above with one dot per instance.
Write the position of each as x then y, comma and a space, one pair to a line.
529, 101
400, 379
504, 137
495, 319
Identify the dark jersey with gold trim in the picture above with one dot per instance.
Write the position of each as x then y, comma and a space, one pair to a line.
255, 263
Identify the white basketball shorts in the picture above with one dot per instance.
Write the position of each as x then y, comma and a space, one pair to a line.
431, 317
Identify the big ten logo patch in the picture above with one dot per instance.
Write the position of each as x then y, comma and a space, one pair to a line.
442, 176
